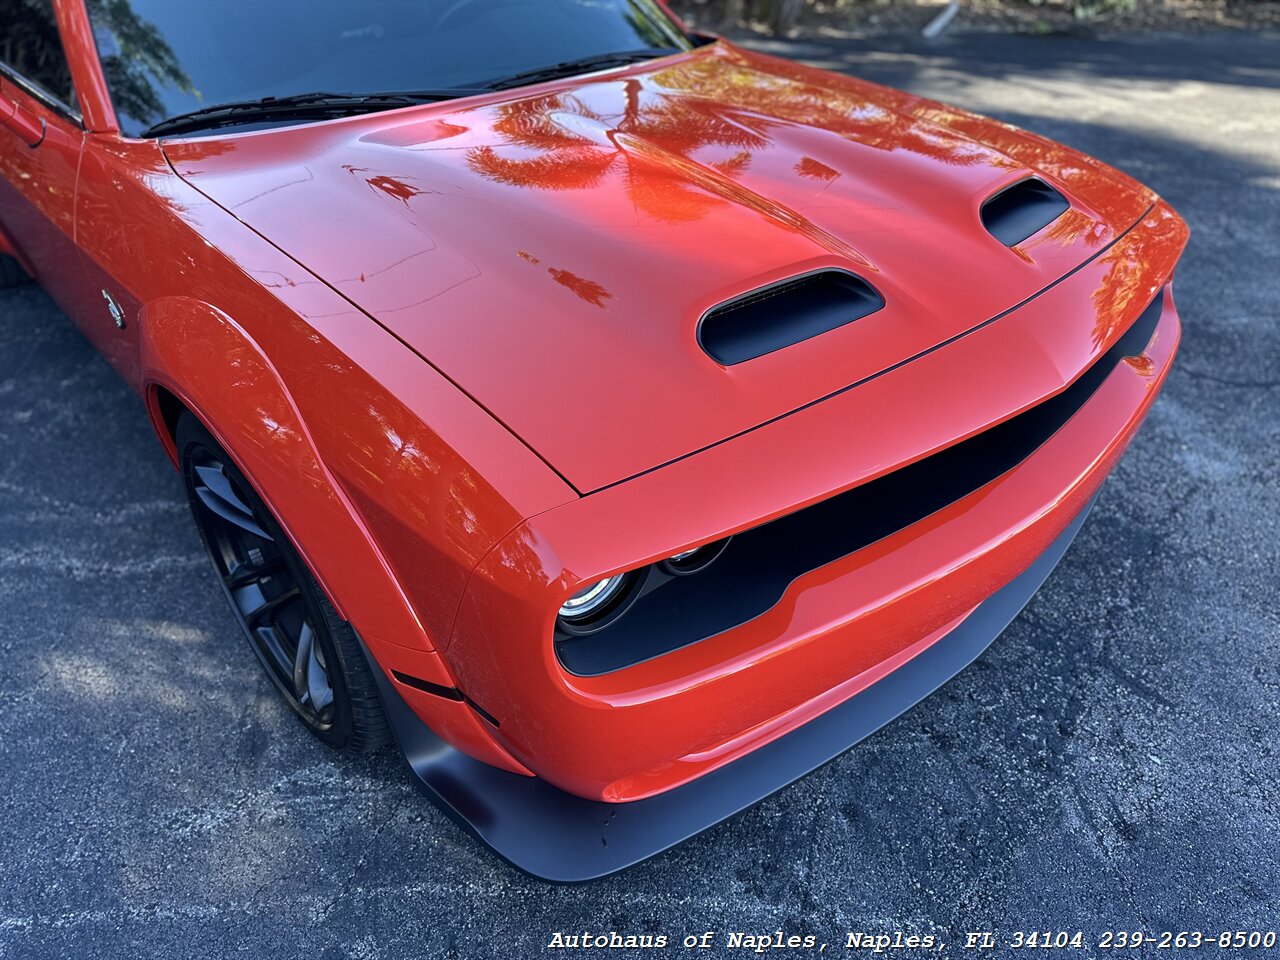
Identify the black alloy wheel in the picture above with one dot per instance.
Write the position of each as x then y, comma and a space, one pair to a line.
311, 655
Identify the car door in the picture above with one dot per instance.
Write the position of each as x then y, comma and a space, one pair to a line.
41, 143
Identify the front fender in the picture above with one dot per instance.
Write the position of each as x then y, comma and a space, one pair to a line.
213, 366
391, 482
205, 359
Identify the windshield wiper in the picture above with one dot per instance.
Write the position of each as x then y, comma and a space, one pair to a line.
569, 68
298, 106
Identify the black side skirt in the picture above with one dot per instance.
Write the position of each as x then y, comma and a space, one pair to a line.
556, 836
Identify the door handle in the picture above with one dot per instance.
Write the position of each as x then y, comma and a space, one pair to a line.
22, 122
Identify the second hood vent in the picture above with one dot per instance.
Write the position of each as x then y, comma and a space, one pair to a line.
1020, 210
784, 313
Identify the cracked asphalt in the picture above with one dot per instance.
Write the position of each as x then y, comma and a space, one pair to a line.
1111, 762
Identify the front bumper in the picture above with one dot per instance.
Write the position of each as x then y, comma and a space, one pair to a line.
639, 731
557, 836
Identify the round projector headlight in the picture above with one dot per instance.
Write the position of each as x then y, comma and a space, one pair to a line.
589, 602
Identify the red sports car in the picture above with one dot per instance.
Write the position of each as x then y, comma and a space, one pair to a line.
625, 422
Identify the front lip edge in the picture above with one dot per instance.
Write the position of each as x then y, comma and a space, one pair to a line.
556, 836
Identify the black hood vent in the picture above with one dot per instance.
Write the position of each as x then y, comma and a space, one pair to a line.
1020, 210
779, 315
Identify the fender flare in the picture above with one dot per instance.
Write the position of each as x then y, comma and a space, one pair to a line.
261, 428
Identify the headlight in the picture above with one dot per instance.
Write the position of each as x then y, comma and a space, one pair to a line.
586, 604
599, 604
691, 561
595, 607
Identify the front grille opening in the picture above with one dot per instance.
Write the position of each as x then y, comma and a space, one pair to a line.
1020, 210
785, 313
760, 564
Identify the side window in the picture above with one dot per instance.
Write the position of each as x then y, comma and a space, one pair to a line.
32, 50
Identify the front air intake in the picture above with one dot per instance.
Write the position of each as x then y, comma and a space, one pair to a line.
777, 316
1020, 210
758, 565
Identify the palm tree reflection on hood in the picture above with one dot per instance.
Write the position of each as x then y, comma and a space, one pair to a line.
588, 290
791, 95
574, 140
569, 157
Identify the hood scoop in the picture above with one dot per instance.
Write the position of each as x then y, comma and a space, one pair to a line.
784, 313
1022, 209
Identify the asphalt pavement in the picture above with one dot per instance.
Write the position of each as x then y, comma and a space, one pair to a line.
1110, 763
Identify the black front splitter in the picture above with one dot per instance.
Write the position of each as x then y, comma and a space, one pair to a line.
556, 836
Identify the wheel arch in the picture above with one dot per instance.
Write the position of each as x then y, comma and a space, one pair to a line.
266, 437
164, 407
245, 404
9, 248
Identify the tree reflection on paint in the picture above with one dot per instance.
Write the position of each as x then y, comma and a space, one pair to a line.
29, 44
135, 58
1125, 289
588, 290
568, 159
567, 141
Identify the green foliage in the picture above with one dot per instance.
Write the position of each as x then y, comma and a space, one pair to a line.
1093, 9
781, 14
778, 15
1083, 10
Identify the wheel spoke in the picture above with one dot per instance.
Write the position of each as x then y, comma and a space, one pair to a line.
244, 521
321, 692
215, 492
219, 484
301, 663
268, 609
268, 641
318, 685
256, 573
310, 679
244, 574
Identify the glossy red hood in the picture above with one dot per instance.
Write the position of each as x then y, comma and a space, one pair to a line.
552, 251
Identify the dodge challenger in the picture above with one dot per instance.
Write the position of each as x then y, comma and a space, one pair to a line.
621, 422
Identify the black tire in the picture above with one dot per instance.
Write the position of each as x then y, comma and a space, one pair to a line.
11, 272
311, 655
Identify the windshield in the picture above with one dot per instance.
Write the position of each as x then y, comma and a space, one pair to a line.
165, 58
